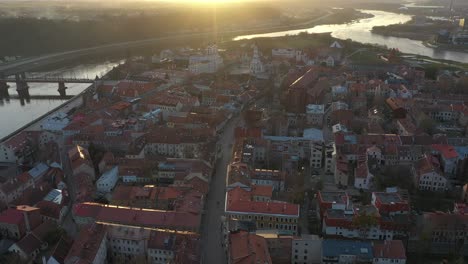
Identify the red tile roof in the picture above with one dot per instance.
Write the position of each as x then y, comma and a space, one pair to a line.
362, 171
262, 190
50, 209
169, 193
121, 106
86, 246
248, 248
62, 248
29, 243
138, 217
447, 151
274, 208
427, 164
78, 156
243, 132
133, 88
389, 249
238, 194
11, 216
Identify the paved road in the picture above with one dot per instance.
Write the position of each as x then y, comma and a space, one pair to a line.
213, 250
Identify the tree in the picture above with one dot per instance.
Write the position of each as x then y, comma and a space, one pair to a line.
298, 197
460, 260
431, 72
53, 236
319, 185
428, 126
423, 245
364, 222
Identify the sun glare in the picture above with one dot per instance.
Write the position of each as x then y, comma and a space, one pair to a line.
205, 1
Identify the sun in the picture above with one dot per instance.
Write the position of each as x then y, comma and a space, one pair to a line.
208, 1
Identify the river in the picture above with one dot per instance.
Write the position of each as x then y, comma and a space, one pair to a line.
360, 31
15, 114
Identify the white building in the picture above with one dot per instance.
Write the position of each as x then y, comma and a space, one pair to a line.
428, 176
129, 242
257, 68
306, 250
316, 155
161, 248
210, 62
314, 114
330, 155
90, 246
166, 54
283, 53
174, 149
362, 176
108, 180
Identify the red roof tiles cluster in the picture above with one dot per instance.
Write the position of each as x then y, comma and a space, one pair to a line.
133, 88
79, 156
87, 245
447, 151
389, 249
239, 200
137, 216
248, 248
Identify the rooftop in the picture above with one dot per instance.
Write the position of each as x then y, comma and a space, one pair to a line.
137, 216
447, 151
271, 208
248, 248
390, 249
388, 198
333, 197
313, 134
335, 248
86, 246
315, 109
11, 216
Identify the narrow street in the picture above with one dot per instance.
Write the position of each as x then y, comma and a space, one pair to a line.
68, 223
212, 237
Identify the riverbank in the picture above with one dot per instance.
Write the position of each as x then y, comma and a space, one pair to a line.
26, 112
438, 46
35, 124
421, 29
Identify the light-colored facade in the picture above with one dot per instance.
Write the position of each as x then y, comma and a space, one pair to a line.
256, 65
284, 53
130, 242
431, 181
316, 155
160, 255
210, 62
314, 114
306, 250
108, 180
177, 150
